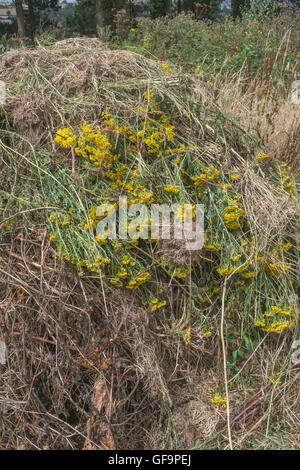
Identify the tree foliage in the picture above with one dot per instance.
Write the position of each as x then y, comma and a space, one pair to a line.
84, 20
40, 14
204, 9
158, 8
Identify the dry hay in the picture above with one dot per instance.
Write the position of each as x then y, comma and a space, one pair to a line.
73, 65
269, 210
264, 110
70, 380
69, 82
88, 367
75, 80
195, 419
82, 372
101, 405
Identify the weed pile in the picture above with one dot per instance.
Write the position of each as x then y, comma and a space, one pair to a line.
138, 343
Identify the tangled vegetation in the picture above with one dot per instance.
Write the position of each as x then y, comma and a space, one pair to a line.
171, 344
233, 242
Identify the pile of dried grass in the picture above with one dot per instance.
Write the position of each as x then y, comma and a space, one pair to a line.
69, 82
83, 371
86, 366
89, 369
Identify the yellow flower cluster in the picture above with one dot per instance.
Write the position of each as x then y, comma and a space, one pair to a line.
273, 262
226, 271
278, 320
225, 186
211, 244
94, 267
149, 97
155, 137
234, 217
218, 401
208, 292
122, 274
102, 239
197, 71
118, 176
155, 134
94, 218
181, 272
100, 261
270, 262
209, 173
65, 138
128, 260
250, 274
138, 281
288, 185
287, 246
127, 180
180, 149
95, 146
140, 194
275, 269
117, 245
274, 381
186, 212
206, 334
113, 127
171, 189
116, 282
212, 247
262, 158
187, 336
134, 283
280, 311
286, 182
163, 261
63, 220
156, 304
166, 69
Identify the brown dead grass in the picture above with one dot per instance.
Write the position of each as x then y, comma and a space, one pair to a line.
78, 375
67, 83
266, 111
